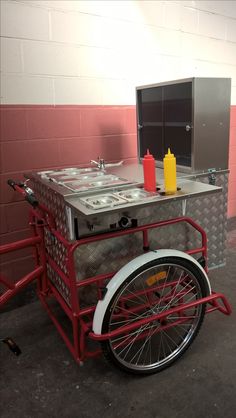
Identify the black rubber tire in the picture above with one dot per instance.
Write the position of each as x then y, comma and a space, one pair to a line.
204, 290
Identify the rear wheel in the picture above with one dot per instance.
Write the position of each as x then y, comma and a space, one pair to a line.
154, 288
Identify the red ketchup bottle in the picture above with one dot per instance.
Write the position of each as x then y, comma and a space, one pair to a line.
149, 172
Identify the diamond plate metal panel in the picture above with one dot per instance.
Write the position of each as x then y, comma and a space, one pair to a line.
210, 211
107, 256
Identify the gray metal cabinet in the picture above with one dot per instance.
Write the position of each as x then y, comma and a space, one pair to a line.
190, 116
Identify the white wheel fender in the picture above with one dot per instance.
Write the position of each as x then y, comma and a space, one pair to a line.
128, 269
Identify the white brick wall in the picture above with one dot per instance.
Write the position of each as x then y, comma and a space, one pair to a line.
20, 20
96, 52
44, 58
11, 56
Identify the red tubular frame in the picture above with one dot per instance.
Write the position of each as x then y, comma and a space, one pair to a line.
41, 219
163, 315
13, 289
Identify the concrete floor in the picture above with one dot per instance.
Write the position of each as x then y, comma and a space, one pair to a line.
46, 382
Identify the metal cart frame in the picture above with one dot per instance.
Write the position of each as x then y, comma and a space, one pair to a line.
81, 319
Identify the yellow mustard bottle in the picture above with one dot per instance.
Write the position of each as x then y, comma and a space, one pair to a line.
170, 173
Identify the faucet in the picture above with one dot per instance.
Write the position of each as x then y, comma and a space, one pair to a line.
100, 163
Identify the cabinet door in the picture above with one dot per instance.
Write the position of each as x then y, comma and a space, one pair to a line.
150, 121
178, 121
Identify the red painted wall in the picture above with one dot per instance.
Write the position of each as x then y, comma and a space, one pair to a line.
232, 165
41, 137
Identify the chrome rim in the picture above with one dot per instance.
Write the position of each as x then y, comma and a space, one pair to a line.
154, 290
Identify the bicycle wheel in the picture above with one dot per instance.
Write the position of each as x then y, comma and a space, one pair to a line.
155, 287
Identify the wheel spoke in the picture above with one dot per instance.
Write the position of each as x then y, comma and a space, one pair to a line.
130, 345
129, 321
137, 297
166, 278
171, 339
168, 345
150, 335
176, 300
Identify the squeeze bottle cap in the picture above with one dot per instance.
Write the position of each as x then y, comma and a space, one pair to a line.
148, 155
169, 154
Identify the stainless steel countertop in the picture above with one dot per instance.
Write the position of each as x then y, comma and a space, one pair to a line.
188, 184
187, 190
134, 172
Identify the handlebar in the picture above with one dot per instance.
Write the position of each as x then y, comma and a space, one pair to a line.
30, 197
13, 183
23, 189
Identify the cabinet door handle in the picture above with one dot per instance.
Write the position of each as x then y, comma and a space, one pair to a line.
188, 128
140, 127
